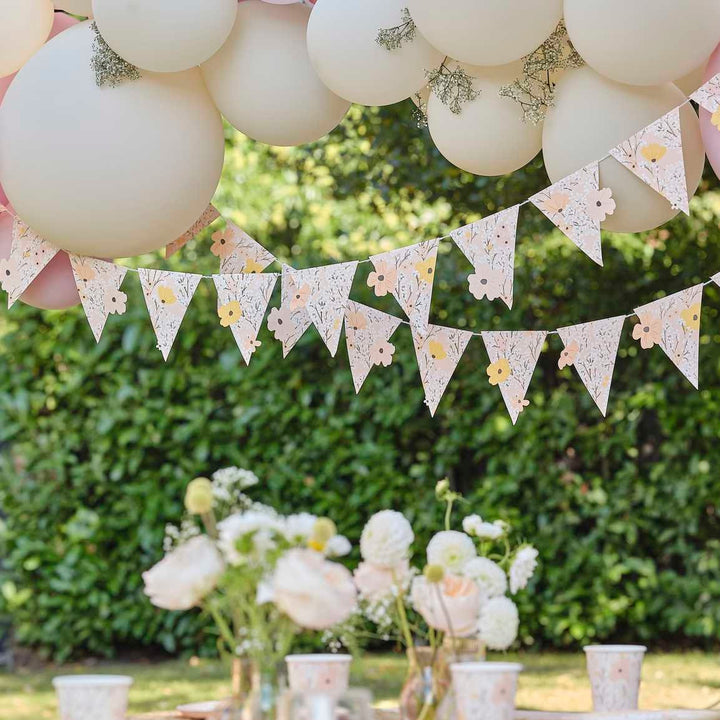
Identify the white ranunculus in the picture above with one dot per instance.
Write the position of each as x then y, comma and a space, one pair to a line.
471, 523
259, 526
386, 539
184, 576
451, 550
298, 528
498, 624
522, 568
487, 575
338, 546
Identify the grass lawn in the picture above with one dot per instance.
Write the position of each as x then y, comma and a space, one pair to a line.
550, 682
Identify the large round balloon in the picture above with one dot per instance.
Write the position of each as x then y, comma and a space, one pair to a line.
24, 27
83, 8
263, 81
710, 122
165, 35
643, 42
489, 136
486, 32
591, 116
342, 42
109, 172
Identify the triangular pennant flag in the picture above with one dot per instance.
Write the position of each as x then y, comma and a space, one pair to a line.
242, 304
408, 274
513, 357
29, 255
209, 216
167, 295
716, 279
591, 348
673, 323
238, 252
438, 351
577, 206
98, 283
489, 245
708, 97
367, 334
655, 155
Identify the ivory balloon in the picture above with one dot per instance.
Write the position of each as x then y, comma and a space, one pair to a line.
489, 136
341, 40
128, 174
24, 28
165, 35
263, 82
643, 42
710, 129
486, 32
83, 8
591, 116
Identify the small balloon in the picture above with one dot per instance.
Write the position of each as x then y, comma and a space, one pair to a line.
83, 8
24, 28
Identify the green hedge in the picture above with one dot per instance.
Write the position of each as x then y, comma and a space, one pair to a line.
98, 441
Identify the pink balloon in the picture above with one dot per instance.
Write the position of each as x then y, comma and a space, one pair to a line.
711, 133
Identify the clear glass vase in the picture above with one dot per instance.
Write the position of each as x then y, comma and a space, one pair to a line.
418, 697
261, 701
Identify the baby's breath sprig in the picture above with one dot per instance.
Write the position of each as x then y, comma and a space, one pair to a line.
109, 68
394, 38
420, 111
453, 86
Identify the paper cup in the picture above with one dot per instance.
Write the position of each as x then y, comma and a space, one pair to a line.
485, 690
100, 697
614, 672
319, 673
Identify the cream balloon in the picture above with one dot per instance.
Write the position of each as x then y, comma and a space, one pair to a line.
263, 82
126, 174
165, 35
489, 136
24, 28
83, 8
341, 40
643, 42
486, 32
591, 116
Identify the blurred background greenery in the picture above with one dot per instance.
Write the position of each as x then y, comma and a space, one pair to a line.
99, 441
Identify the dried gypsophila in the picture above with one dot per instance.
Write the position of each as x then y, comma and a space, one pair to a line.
109, 68
395, 37
452, 86
420, 111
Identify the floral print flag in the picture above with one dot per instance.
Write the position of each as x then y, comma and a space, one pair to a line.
673, 323
438, 352
576, 205
209, 216
708, 97
513, 357
29, 255
655, 155
408, 274
591, 348
98, 283
242, 304
167, 295
238, 252
489, 245
367, 334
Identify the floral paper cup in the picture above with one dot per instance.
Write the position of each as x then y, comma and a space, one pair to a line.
485, 690
319, 673
100, 697
614, 672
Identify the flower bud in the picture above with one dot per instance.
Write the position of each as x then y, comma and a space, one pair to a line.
199, 496
434, 573
441, 488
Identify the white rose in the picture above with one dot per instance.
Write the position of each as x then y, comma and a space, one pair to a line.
259, 526
185, 576
298, 528
386, 539
498, 624
338, 546
487, 575
451, 550
312, 591
522, 568
377, 583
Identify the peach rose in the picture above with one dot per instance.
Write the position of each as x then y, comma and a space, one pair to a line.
455, 599
375, 582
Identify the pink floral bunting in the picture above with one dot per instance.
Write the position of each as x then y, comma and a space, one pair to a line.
168, 296
489, 245
591, 348
513, 357
577, 206
655, 155
98, 283
708, 95
438, 351
408, 274
673, 323
208, 217
367, 334
238, 252
242, 304
29, 255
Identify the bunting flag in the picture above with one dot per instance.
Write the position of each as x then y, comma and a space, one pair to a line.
673, 323
367, 334
98, 283
489, 245
513, 357
238, 252
577, 206
408, 274
29, 255
438, 351
655, 155
242, 304
208, 217
167, 295
708, 97
591, 348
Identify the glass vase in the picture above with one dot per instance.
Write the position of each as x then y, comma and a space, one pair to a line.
262, 701
419, 694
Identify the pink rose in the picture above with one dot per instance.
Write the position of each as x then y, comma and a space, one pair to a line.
455, 599
375, 582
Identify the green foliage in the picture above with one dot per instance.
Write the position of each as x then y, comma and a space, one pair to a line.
99, 441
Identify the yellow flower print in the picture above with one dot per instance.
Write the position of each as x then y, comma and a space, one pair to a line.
691, 317
251, 266
715, 118
229, 313
437, 350
426, 270
654, 153
498, 372
166, 295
